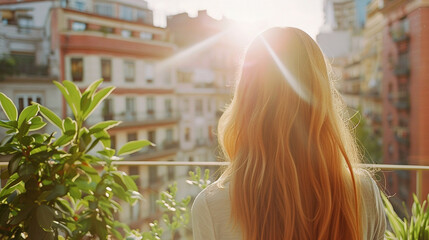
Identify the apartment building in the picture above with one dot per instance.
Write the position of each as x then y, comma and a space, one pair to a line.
24, 41
405, 57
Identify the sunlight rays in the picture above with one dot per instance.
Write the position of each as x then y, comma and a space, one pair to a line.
290, 79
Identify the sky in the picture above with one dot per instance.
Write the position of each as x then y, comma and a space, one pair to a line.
304, 14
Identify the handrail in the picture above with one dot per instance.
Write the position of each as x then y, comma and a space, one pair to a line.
382, 167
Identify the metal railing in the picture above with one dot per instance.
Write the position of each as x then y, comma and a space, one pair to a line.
381, 167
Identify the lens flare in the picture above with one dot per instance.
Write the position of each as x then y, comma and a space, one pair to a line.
290, 79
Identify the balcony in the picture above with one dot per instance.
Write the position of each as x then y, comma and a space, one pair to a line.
402, 70
402, 135
400, 31
25, 66
143, 119
402, 103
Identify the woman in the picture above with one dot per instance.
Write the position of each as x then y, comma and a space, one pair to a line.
292, 172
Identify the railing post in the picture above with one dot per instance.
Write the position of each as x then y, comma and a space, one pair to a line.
419, 179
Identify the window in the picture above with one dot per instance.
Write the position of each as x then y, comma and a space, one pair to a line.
131, 136
108, 109
79, 5
150, 106
199, 107
78, 26
130, 109
141, 15
187, 134
106, 30
129, 71
151, 136
105, 9
126, 13
24, 100
25, 22
146, 36
184, 77
106, 70
168, 108
126, 33
150, 72
77, 69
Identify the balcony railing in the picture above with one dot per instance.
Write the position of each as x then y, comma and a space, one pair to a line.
400, 31
419, 169
402, 70
382, 167
130, 118
402, 135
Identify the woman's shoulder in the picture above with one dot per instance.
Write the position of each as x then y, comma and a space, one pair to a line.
214, 193
367, 182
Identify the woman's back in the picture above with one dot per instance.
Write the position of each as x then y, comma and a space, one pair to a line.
211, 212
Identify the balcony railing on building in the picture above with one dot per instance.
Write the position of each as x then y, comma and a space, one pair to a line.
402, 135
402, 69
24, 65
400, 30
130, 118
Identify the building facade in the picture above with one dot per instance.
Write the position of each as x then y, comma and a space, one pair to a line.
405, 90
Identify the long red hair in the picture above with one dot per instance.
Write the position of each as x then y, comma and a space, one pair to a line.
292, 156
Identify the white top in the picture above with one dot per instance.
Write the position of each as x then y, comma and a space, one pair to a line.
212, 208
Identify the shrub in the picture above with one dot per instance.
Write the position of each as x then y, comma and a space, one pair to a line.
57, 187
416, 227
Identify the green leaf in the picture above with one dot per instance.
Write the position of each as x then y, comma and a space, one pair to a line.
45, 216
57, 191
91, 88
69, 125
23, 130
14, 163
8, 124
104, 137
27, 114
8, 107
133, 146
98, 97
106, 125
68, 98
51, 116
74, 92
63, 140
37, 123
26, 169
64, 205
23, 214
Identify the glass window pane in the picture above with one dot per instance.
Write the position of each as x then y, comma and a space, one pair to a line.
106, 69
129, 71
78, 26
